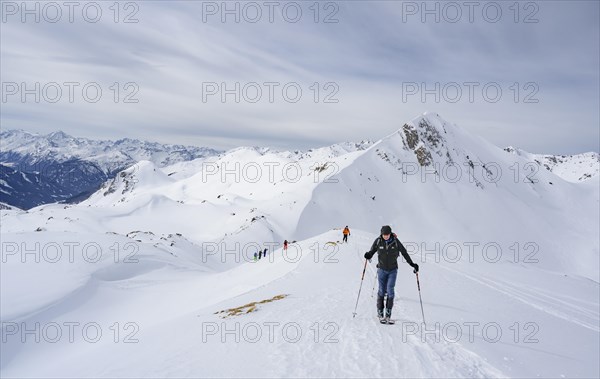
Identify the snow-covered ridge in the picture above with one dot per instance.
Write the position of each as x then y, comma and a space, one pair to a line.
27, 149
5, 207
58, 146
572, 168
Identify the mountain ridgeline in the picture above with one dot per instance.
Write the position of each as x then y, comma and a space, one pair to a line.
39, 169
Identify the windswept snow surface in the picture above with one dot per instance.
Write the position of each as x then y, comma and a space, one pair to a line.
129, 283
482, 321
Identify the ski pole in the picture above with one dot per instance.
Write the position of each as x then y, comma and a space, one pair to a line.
360, 288
420, 299
375, 282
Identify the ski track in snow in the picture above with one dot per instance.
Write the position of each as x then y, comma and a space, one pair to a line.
539, 299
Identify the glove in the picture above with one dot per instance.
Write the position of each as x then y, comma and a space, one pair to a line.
368, 255
416, 268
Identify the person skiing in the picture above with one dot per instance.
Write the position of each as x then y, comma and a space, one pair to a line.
388, 248
285, 244
346, 233
265, 253
255, 257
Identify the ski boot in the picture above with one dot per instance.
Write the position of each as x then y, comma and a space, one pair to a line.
380, 315
388, 317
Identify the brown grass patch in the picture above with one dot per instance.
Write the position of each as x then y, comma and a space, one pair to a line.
248, 308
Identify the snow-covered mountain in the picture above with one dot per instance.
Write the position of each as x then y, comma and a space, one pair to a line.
509, 256
27, 150
76, 167
428, 159
573, 168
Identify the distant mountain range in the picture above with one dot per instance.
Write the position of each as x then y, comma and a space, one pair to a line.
38, 169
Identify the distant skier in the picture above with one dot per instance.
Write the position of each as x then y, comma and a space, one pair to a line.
389, 249
346, 233
259, 254
265, 252
255, 257
285, 245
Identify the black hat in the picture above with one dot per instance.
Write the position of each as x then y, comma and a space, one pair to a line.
386, 229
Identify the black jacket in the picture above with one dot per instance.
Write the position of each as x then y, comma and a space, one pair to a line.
388, 253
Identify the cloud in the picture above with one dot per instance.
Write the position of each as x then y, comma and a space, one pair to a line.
368, 58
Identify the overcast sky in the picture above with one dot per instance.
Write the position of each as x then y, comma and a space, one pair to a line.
376, 65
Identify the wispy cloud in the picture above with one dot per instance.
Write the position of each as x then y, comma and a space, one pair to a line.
370, 55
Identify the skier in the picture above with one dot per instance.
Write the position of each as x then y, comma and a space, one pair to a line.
285, 244
265, 252
346, 233
259, 254
389, 249
255, 257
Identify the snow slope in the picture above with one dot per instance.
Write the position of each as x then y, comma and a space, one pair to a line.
509, 258
466, 190
309, 333
572, 168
